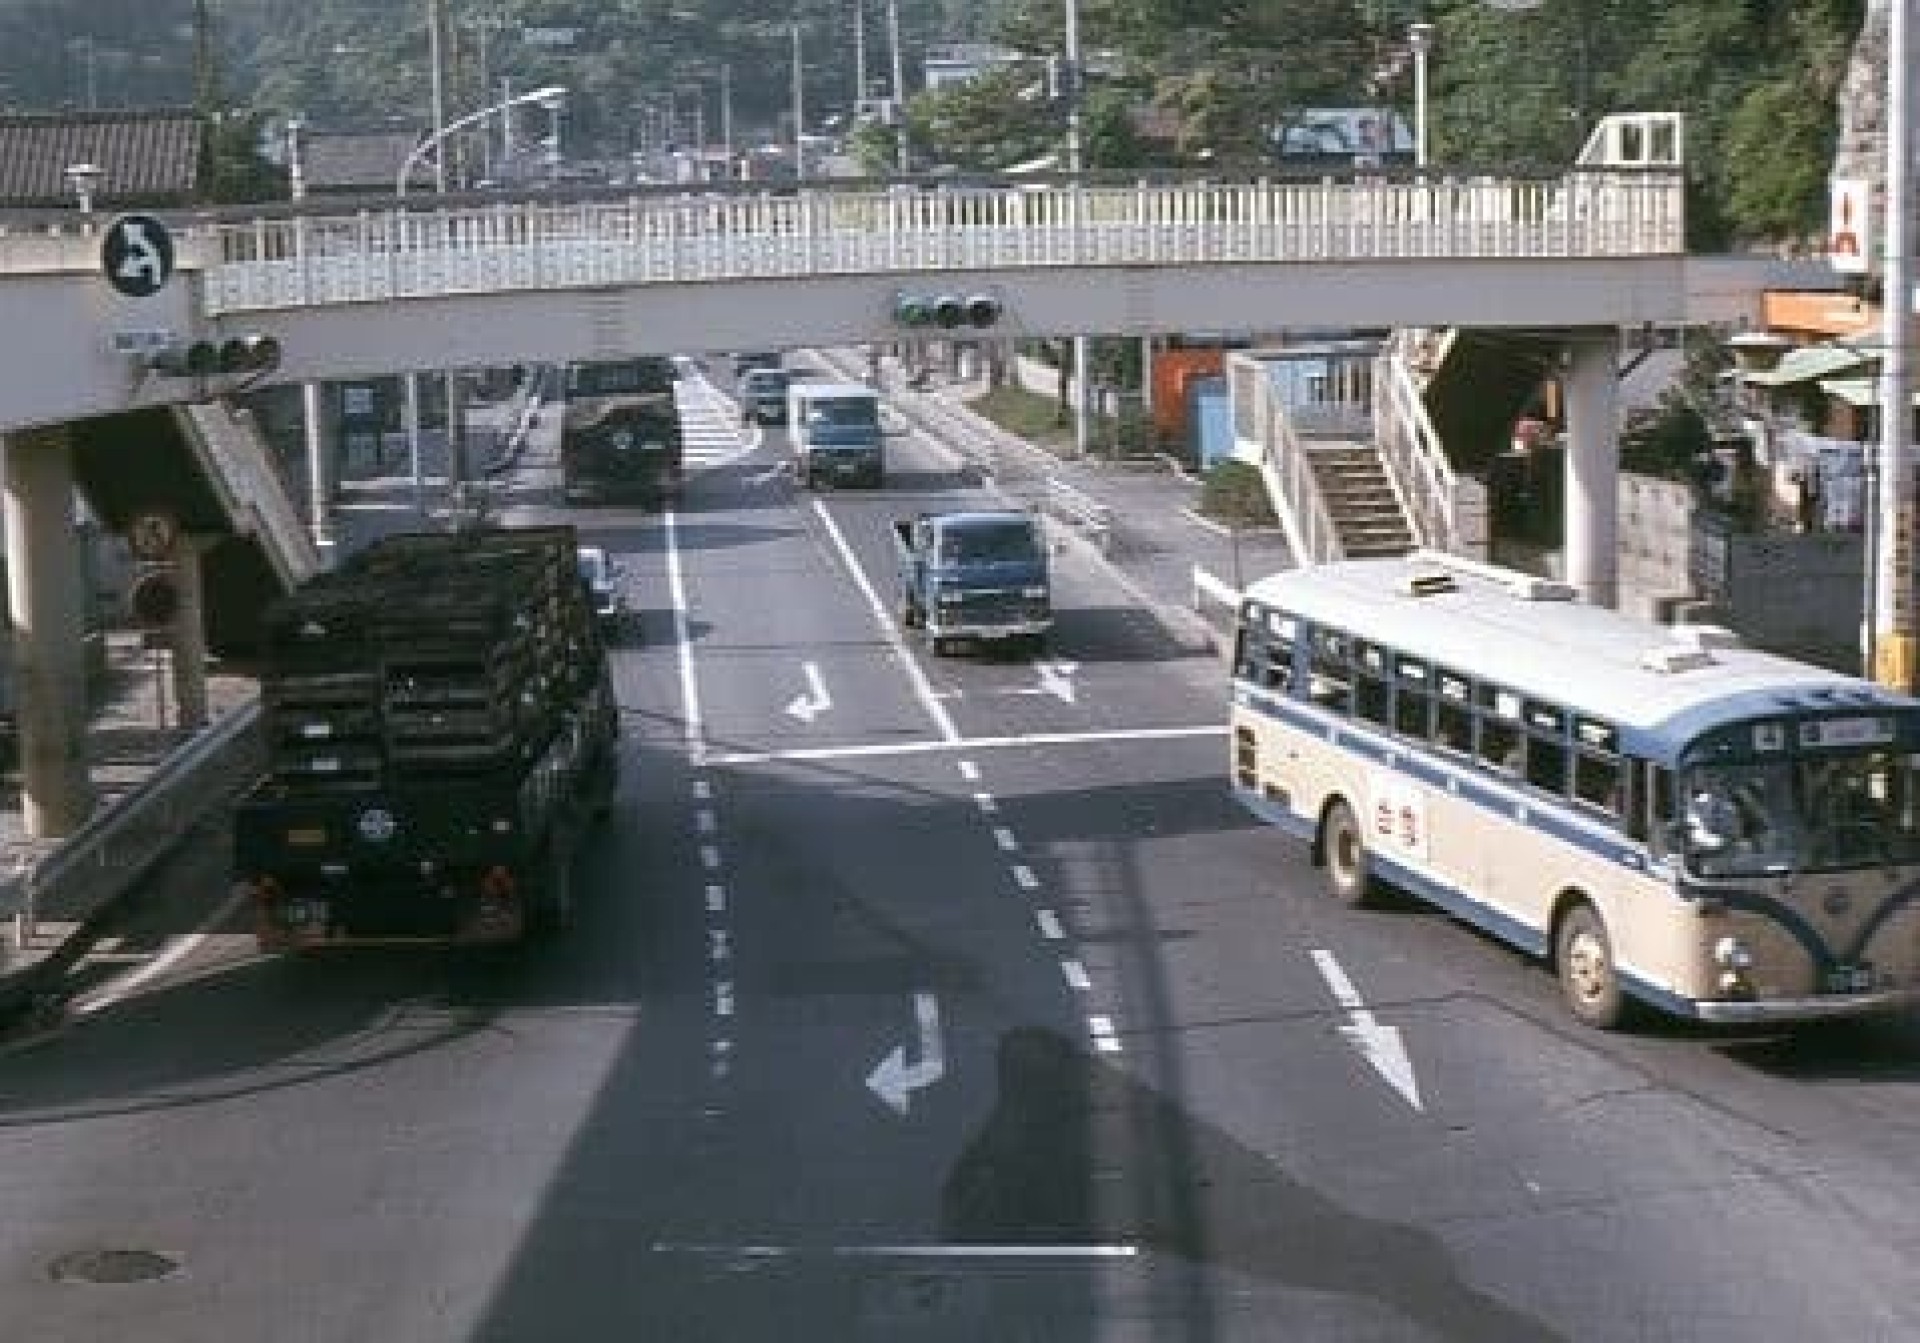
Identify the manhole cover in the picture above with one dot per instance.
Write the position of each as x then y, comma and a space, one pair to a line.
113, 1266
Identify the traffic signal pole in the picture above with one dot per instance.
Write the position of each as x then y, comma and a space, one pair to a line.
1894, 624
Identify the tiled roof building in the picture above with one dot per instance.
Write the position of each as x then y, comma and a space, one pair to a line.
144, 157
359, 161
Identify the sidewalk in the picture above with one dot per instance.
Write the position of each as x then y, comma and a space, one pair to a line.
1155, 538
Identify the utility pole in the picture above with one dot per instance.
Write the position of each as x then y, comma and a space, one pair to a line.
204, 90
901, 148
799, 113
1893, 640
726, 117
859, 54
1082, 430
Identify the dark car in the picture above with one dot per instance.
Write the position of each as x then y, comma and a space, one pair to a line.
763, 395
746, 362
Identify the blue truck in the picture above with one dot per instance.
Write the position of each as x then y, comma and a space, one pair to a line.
978, 575
836, 433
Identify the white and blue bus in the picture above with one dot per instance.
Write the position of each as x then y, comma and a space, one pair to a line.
1659, 812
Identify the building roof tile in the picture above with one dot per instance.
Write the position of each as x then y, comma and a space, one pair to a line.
145, 156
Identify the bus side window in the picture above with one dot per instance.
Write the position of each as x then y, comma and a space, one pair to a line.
1373, 692
1501, 745
1547, 763
1331, 683
1598, 781
1453, 713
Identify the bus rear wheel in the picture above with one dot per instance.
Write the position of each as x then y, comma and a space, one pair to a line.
1583, 958
1344, 850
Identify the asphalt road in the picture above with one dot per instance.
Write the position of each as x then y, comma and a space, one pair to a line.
931, 999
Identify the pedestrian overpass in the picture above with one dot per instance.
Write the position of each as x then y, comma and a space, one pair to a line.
397, 286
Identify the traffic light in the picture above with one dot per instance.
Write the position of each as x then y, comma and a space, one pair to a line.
250, 354
948, 311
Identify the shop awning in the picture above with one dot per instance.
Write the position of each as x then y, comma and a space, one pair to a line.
1808, 363
1857, 391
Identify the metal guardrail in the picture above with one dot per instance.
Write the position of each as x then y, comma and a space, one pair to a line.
1081, 511
114, 849
1210, 590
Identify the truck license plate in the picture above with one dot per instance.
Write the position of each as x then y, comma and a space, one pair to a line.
1850, 979
307, 836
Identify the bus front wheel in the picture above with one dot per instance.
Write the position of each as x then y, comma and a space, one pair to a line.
1344, 850
1583, 958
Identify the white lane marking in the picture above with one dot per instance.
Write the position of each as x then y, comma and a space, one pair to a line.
710, 857
702, 791
723, 997
929, 1251
985, 802
171, 955
969, 771
705, 821
1006, 839
893, 1079
1379, 1045
716, 899
1050, 925
814, 700
719, 947
683, 642
1105, 1039
922, 687
1075, 975
1023, 875
806, 753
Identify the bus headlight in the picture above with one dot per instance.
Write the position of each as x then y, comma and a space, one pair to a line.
1730, 953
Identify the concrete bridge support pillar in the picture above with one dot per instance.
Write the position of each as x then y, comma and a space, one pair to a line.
190, 636
1593, 465
45, 592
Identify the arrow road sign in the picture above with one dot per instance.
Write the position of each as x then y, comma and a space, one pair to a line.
894, 1080
136, 255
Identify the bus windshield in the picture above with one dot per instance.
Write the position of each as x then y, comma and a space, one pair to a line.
1819, 813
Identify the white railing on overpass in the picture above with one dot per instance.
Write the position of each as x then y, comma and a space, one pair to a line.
375, 255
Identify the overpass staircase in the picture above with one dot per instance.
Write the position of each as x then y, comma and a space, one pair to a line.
1349, 454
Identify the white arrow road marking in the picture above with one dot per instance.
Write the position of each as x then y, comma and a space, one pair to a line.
1379, 1045
1056, 678
768, 476
893, 1079
815, 701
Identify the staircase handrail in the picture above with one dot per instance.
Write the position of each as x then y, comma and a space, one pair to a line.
1292, 487
250, 491
1415, 459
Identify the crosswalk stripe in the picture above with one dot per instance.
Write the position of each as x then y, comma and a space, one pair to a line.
709, 433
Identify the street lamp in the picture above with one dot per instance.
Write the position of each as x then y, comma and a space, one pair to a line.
1420, 39
552, 98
